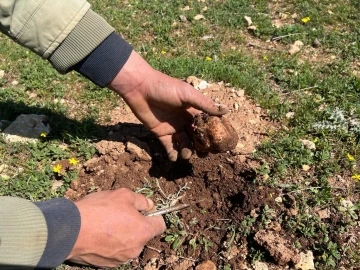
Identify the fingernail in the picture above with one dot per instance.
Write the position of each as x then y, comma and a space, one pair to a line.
151, 203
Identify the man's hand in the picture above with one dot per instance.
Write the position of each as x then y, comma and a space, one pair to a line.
163, 104
112, 228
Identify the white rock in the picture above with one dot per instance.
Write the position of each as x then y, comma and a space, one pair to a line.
199, 17
306, 261
56, 184
305, 168
248, 20
278, 199
299, 43
14, 83
203, 85
290, 115
2, 73
260, 266
293, 49
26, 128
185, 8
308, 144
347, 203
3, 167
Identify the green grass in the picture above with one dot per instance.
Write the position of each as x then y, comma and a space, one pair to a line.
312, 90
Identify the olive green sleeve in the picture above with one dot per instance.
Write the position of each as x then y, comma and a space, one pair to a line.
23, 233
54, 29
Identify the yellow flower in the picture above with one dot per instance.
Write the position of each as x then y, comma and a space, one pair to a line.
350, 157
208, 58
43, 134
305, 19
57, 168
163, 52
265, 58
315, 140
73, 161
356, 177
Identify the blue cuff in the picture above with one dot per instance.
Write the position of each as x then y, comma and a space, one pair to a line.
63, 225
104, 63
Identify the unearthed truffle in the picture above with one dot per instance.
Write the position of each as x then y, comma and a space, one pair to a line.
213, 134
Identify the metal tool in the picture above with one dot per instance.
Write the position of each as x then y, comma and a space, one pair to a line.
166, 210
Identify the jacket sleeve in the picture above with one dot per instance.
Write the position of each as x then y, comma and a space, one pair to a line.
66, 33
36, 235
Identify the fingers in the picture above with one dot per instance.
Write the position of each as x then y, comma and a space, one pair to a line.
179, 142
184, 144
197, 100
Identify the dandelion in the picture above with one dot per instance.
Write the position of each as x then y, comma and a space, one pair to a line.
73, 161
356, 177
350, 157
57, 168
163, 52
43, 134
208, 58
315, 140
305, 19
265, 58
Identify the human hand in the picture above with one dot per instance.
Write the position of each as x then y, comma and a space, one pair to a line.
163, 104
112, 228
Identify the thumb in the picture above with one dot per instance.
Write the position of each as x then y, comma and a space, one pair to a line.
141, 203
196, 99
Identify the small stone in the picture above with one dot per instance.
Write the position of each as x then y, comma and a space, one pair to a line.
316, 43
248, 20
308, 144
260, 266
207, 265
3, 168
183, 18
306, 261
240, 93
186, 8
278, 199
305, 168
14, 83
347, 203
75, 184
293, 49
207, 37
236, 106
290, 115
56, 184
252, 27
323, 213
203, 85
299, 43
199, 17
204, 9
2, 73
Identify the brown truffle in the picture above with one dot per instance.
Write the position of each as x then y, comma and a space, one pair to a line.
213, 134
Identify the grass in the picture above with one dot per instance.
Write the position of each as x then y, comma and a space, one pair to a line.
314, 89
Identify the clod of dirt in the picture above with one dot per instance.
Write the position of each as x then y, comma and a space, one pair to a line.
208, 265
278, 247
213, 134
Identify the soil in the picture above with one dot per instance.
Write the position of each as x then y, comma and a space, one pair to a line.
219, 188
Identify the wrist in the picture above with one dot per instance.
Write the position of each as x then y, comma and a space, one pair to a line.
133, 74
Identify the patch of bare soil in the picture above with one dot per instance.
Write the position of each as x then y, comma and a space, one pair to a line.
219, 188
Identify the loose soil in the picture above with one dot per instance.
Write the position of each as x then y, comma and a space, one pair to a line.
219, 188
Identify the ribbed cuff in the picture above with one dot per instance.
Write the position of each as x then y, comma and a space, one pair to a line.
105, 62
63, 224
91, 30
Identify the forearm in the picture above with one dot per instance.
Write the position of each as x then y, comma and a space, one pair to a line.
37, 235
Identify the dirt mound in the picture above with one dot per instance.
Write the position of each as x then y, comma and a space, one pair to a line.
219, 188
